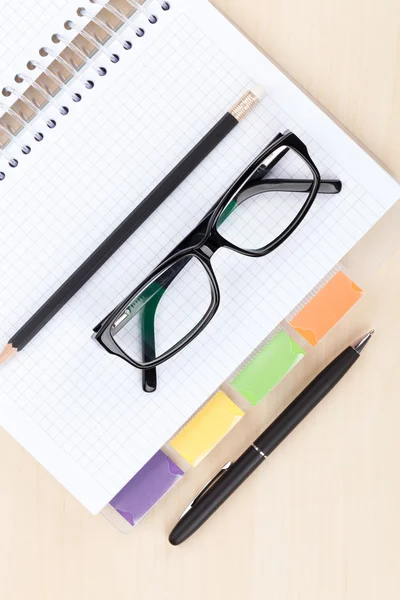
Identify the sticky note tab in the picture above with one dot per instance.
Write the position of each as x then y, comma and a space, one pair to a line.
326, 308
268, 368
207, 428
146, 488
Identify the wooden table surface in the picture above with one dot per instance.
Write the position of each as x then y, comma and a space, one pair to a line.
321, 521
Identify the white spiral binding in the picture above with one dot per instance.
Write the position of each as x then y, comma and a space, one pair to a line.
11, 136
117, 13
57, 37
102, 49
59, 81
72, 68
143, 8
25, 124
37, 111
140, 8
43, 90
11, 91
111, 9
82, 12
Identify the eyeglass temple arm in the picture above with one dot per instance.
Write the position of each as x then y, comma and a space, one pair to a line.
148, 319
149, 376
327, 186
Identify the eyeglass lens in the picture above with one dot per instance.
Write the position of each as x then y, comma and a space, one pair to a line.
252, 221
168, 309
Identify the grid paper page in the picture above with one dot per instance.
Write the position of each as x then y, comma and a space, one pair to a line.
80, 411
26, 26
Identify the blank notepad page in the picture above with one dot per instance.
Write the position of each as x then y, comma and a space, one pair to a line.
80, 411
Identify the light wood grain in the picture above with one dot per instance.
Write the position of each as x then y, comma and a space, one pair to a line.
321, 520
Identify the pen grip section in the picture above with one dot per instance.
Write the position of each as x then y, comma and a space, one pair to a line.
230, 481
309, 398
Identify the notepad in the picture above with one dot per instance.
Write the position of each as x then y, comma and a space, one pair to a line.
78, 410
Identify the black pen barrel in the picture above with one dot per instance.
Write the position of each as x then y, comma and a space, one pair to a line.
230, 481
305, 402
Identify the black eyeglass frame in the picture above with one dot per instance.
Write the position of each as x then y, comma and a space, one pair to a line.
204, 247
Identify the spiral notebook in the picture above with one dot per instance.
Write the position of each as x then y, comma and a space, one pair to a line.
78, 410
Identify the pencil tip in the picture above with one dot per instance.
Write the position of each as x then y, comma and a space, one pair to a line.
8, 352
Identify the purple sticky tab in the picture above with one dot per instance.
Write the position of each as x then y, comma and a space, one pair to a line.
148, 486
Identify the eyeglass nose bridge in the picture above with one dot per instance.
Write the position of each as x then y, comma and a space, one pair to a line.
213, 243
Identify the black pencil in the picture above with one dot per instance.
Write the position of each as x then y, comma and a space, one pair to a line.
136, 218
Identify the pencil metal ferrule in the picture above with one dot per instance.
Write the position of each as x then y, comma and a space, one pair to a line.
244, 105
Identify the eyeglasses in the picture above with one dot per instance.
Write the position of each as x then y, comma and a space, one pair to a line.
179, 298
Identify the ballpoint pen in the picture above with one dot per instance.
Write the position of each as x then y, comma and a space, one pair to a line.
233, 474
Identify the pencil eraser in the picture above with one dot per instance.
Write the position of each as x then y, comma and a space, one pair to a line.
268, 368
326, 308
259, 91
207, 428
146, 488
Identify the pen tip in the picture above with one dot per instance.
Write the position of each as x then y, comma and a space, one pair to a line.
360, 344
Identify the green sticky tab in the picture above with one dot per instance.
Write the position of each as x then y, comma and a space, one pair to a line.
268, 368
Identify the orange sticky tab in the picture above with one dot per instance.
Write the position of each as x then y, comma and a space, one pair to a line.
326, 308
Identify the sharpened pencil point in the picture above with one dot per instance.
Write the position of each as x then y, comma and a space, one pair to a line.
247, 102
8, 352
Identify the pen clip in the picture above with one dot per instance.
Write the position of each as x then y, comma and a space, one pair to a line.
207, 487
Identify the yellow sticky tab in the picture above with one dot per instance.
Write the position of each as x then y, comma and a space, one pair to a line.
207, 429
